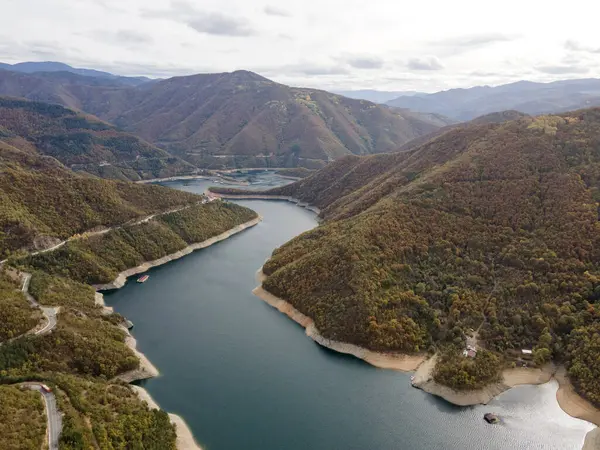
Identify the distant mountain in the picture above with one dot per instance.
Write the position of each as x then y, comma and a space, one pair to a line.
83, 143
237, 119
375, 96
52, 66
524, 96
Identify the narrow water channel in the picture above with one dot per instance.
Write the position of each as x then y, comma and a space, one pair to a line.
244, 376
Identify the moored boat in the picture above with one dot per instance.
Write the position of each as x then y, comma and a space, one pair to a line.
491, 418
143, 278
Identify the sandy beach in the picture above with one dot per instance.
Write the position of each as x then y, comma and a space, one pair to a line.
121, 279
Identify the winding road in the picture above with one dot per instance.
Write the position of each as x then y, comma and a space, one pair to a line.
53, 416
50, 313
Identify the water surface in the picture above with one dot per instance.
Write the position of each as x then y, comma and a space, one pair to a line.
244, 376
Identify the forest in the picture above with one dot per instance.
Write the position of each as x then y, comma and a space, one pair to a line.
488, 226
16, 316
99, 259
87, 350
41, 201
22, 419
78, 357
84, 143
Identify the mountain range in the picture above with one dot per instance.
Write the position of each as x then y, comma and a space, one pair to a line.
83, 143
53, 66
374, 95
524, 96
237, 119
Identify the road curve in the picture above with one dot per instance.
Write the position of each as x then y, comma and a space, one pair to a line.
52, 414
49, 312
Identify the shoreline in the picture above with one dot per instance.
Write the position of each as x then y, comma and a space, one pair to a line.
185, 439
121, 279
146, 370
401, 362
569, 401
510, 378
267, 197
176, 178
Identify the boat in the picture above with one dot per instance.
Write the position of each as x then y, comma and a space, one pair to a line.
491, 418
143, 278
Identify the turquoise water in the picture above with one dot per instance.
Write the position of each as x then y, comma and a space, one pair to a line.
244, 376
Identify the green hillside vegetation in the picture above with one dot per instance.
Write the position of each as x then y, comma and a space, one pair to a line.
41, 201
118, 418
99, 259
296, 172
22, 419
84, 143
78, 357
460, 373
231, 120
16, 315
493, 224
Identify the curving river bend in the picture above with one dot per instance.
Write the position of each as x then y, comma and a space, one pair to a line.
244, 376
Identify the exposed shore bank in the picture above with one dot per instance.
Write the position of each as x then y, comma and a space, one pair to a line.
401, 362
177, 178
267, 197
121, 279
193, 177
185, 439
569, 401
510, 378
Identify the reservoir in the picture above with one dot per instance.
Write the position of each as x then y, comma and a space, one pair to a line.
244, 376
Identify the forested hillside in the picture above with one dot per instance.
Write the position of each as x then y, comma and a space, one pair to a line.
42, 203
99, 259
492, 225
76, 359
237, 119
83, 143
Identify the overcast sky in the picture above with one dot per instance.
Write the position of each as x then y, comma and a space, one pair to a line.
331, 44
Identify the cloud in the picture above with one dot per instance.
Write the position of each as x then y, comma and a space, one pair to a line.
575, 46
455, 45
220, 25
275, 11
132, 37
129, 38
309, 69
425, 63
562, 69
365, 62
478, 40
214, 23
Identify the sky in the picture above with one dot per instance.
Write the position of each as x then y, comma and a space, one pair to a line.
428, 45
